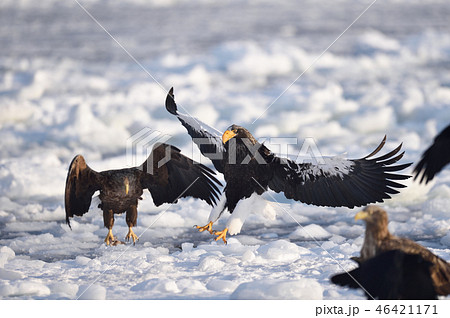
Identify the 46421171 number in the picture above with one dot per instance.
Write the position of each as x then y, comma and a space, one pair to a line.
407, 309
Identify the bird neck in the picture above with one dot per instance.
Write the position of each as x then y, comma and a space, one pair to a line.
378, 231
374, 235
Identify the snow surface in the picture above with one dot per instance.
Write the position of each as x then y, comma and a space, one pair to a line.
66, 88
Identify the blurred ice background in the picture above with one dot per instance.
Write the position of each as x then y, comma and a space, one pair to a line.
66, 87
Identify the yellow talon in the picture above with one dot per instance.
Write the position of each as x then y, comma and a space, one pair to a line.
207, 227
221, 235
109, 239
131, 235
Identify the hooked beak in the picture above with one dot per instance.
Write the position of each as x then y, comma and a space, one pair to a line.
361, 215
227, 135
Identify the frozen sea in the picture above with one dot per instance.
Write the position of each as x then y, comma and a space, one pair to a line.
75, 81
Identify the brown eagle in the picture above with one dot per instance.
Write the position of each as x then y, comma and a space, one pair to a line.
391, 275
250, 169
167, 174
378, 240
435, 157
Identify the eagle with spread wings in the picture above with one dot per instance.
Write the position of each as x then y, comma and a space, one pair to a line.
250, 169
167, 174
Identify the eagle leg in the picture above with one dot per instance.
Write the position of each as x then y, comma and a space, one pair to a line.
110, 239
131, 235
131, 219
221, 235
108, 221
207, 227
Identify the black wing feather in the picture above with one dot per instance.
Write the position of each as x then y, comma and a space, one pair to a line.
208, 139
435, 157
339, 182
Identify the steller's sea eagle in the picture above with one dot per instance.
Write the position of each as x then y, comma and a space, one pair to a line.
250, 169
167, 174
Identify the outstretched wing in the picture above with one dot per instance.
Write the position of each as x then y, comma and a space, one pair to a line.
81, 183
169, 175
435, 157
208, 139
339, 182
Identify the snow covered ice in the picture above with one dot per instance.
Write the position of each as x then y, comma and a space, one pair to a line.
66, 88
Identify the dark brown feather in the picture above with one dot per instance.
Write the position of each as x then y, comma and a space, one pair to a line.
81, 184
391, 275
178, 177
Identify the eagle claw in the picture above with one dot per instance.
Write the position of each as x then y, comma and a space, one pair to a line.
110, 239
221, 235
131, 235
207, 227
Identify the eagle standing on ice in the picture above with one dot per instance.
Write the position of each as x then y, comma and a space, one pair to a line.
167, 174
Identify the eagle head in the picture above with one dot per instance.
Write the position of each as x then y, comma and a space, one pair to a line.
235, 131
372, 214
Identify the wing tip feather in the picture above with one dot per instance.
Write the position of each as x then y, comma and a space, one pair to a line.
381, 145
171, 106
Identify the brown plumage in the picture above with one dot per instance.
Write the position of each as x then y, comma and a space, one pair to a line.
167, 174
378, 240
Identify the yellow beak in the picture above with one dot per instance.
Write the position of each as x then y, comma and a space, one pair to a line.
127, 188
227, 135
361, 215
